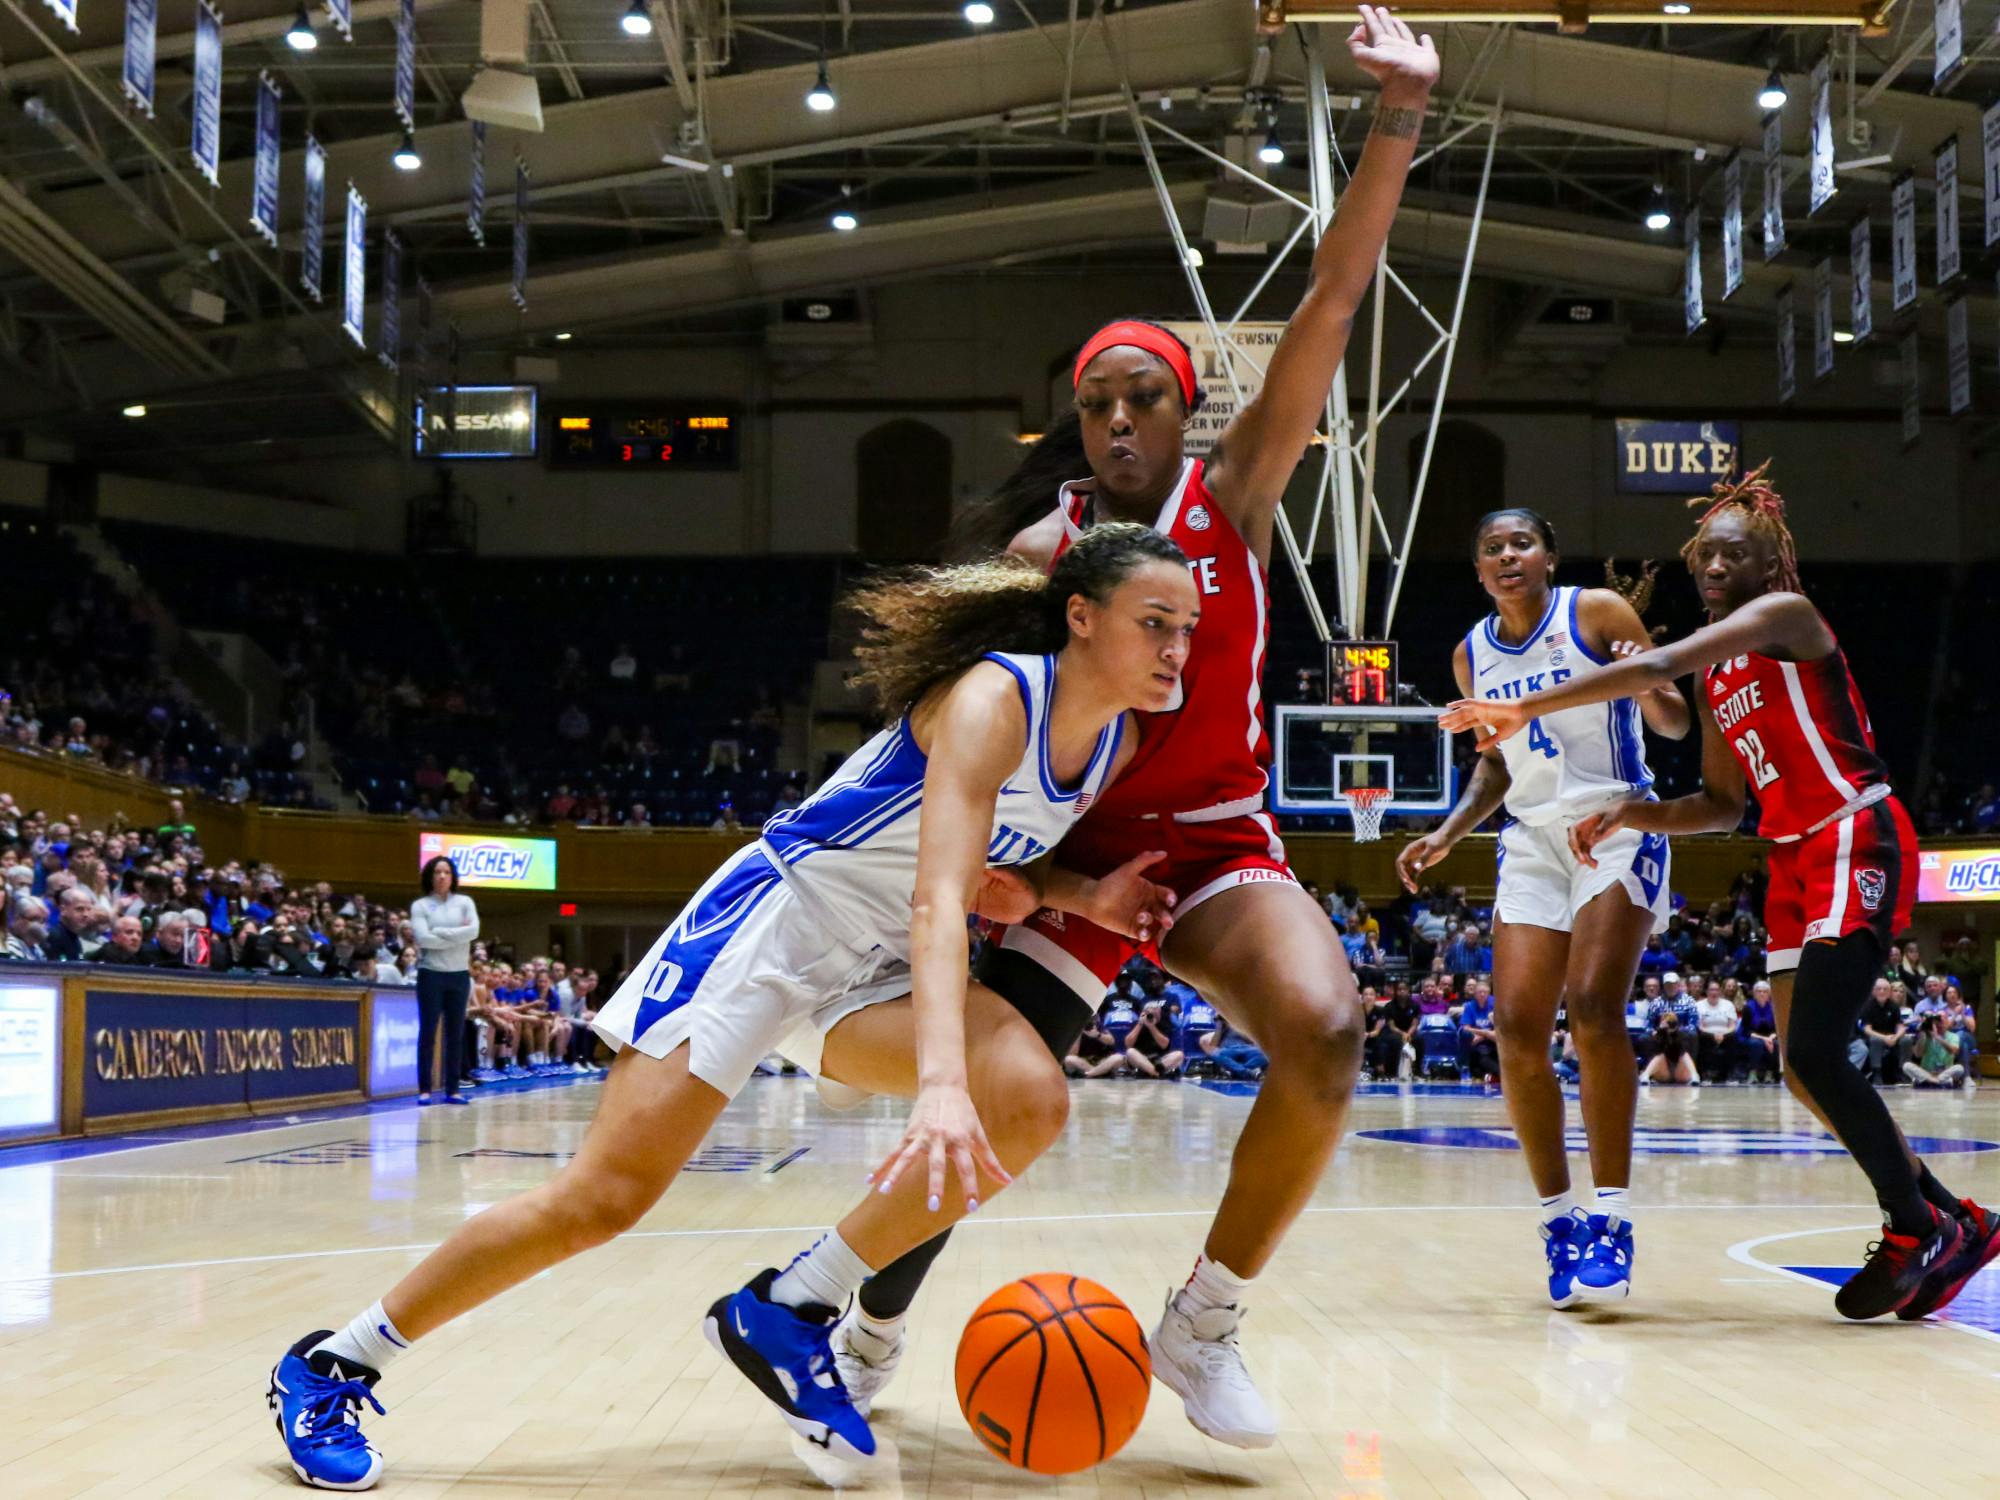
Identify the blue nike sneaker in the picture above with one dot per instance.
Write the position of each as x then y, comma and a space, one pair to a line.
1606, 1272
317, 1402
1562, 1241
787, 1353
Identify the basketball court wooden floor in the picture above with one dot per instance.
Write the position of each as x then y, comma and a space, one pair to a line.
1402, 1333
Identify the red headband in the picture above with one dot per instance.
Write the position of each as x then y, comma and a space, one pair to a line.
1153, 340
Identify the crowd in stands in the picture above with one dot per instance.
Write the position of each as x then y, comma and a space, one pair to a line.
151, 898
80, 681
658, 699
1425, 963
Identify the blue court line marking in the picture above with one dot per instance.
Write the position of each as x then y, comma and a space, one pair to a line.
80, 1148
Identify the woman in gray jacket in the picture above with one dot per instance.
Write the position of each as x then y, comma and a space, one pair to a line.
446, 922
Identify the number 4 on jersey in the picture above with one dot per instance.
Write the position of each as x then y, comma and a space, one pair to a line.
1539, 741
1750, 746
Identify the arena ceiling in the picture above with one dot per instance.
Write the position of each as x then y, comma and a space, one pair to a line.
679, 175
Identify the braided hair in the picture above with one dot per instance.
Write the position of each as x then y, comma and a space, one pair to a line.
1636, 589
1763, 510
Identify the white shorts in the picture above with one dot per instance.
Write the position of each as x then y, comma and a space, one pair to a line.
751, 967
1542, 884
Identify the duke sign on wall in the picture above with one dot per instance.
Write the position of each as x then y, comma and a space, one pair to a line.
1676, 458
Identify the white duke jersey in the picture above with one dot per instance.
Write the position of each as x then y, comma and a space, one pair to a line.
1576, 760
851, 847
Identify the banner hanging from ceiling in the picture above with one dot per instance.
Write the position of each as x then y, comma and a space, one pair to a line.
1774, 185
1944, 167
1903, 242
406, 62
1691, 273
1788, 348
205, 144
1732, 225
264, 173
354, 268
475, 211
391, 341
520, 287
1861, 275
142, 22
312, 223
1822, 132
1823, 319
1948, 44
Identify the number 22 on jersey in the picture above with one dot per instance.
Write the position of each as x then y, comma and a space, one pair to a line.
1750, 747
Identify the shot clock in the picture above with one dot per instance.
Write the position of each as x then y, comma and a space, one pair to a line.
1362, 674
654, 437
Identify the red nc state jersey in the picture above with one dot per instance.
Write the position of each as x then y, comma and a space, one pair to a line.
1209, 748
1801, 733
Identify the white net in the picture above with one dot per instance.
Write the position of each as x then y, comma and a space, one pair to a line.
1365, 804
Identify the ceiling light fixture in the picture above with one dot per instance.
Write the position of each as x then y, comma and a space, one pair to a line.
301, 36
1657, 217
978, 12
637, 20
135, 410
844, 221
1676, 8
1272, 152
406, 157
819, 99
1772, 95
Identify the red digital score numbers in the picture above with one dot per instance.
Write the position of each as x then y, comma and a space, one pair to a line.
659, 437
1362, 674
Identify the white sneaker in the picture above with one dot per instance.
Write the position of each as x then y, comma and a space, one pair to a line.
866, 1364
1198, 1359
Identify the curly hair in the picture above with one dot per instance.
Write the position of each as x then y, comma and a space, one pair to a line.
922, 625
1763, 510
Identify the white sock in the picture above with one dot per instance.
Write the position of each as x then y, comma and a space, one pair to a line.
1611, 1202
1212, 1285
828, 1274
371, 1340
874, 1338
1561, 1206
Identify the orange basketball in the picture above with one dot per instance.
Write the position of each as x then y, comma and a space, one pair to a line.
1053, 1373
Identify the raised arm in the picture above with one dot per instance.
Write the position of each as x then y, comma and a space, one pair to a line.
1263, 443
1780, 625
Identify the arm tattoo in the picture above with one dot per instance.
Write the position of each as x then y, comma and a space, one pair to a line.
1400, 123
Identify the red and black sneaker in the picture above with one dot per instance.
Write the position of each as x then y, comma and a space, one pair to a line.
1981, 1243
1896, 1268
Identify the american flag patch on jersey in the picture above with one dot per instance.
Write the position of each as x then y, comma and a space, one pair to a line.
1556, 638
1084, 800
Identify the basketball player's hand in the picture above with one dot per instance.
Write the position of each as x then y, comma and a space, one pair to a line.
1126, 902
1006, 896
1405, 64
1418, 856
944, 1132
1625, 649
1586, 833
1491, 720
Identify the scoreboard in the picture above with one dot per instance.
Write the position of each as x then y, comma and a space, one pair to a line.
633, 436
1362, 674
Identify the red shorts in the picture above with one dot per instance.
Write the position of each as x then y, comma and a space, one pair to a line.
1858, 871
1202, 859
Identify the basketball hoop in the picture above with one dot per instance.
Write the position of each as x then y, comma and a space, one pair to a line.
1366, 804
